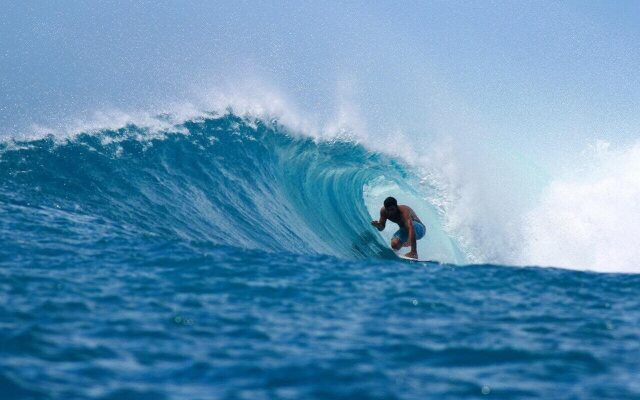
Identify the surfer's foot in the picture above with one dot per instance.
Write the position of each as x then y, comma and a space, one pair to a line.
412, 254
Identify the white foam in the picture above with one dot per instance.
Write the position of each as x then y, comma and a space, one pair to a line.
501, 212
478, 197
251, 99
590, 219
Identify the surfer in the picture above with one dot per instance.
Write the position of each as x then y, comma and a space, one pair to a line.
411, 228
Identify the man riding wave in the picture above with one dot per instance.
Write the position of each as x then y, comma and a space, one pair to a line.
411, 228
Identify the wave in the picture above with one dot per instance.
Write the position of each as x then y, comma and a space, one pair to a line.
223, 179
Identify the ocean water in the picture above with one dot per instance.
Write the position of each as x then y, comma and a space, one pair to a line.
226, 257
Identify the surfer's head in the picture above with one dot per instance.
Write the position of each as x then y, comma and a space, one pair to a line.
391, 206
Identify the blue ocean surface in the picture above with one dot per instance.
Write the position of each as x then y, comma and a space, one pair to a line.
227, 258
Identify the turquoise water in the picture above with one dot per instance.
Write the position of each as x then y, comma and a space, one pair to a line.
230, 259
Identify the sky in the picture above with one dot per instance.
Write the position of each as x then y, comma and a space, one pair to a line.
543, 77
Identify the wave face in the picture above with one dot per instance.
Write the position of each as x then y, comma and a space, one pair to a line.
224, 180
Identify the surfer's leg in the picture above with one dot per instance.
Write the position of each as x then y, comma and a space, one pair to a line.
399, 238
419, 230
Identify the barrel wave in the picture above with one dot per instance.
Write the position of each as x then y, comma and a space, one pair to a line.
224, 179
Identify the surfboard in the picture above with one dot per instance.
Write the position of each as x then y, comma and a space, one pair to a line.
418, 260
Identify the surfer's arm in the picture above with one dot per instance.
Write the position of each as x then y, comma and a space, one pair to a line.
383, 221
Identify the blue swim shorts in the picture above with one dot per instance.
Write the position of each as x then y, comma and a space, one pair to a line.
403, 233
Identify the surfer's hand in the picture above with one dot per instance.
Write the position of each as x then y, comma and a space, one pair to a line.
412, 254
375, 223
